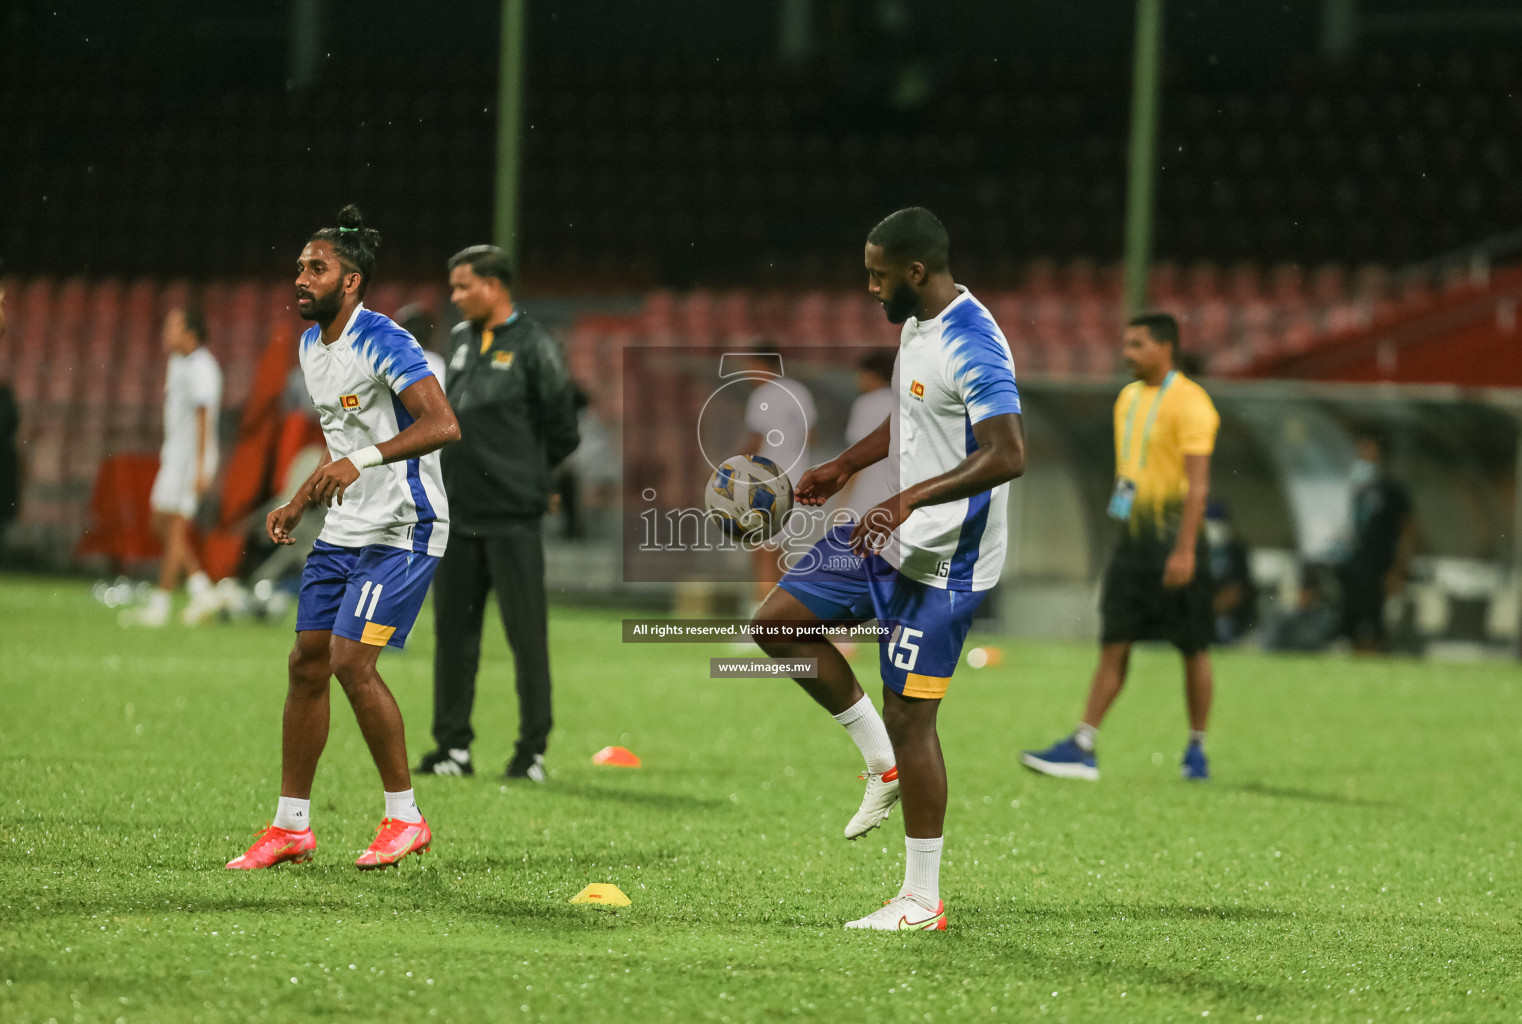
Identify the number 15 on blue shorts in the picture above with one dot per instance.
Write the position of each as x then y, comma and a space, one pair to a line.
370, 594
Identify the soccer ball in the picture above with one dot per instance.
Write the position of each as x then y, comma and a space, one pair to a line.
749, 496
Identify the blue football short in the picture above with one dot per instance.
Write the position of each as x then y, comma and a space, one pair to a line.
929, 624
370, 594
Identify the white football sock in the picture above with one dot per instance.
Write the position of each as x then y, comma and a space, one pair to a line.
158, 602
1086, 736
922, 871
198, 584
293, 815
866, 727
1197, 736
402, 807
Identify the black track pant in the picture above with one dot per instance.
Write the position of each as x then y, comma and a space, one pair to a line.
510, 562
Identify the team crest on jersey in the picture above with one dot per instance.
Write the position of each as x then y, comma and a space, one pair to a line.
501, 360
349, 402
917, 389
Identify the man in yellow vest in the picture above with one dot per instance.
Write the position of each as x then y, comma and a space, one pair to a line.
1157, 585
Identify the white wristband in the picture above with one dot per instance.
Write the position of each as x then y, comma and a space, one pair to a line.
366, 457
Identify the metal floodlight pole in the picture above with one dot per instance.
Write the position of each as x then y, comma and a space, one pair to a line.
1143, 155
509, 128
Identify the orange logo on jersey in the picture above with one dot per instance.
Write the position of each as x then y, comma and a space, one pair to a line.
349, 401
501, 360
917, 390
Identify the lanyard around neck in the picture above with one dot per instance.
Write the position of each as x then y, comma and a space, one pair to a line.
1146, 438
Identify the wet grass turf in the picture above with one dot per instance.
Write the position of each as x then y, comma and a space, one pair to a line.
1355, 858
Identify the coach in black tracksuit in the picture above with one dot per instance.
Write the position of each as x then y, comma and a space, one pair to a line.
508, 385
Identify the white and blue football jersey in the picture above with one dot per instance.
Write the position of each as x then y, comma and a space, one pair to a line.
355, 383
952, 372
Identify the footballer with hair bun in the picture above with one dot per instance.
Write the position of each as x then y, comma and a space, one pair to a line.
384, 417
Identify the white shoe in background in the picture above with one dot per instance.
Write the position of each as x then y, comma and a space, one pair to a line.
152, 613
235, 598
203, 605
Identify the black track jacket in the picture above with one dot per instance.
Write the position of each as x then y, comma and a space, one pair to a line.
517, 422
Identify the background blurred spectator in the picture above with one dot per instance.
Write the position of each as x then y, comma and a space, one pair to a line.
1312, 624
1236, 596
1384, 536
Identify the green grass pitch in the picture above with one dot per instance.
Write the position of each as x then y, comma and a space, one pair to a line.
1355, 858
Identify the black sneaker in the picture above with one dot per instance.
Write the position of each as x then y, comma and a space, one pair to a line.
446, 762
526, 766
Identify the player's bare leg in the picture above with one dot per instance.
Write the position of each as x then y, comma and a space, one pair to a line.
1109, 677
304, 728
380, 720
177, 563
921, 767
922, 779
154, 611
766, 565
303, 734
169, 537
402, 830
1199, 689
836, 690
1072, 757
180, 562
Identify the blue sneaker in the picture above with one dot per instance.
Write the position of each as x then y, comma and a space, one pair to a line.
1194, 766
1064, 759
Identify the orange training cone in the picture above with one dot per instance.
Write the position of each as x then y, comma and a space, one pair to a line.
618, 757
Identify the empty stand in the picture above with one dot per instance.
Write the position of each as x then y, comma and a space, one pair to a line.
87, 363
753, 175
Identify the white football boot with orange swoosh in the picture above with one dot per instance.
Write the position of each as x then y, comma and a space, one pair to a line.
876, 802
904, 914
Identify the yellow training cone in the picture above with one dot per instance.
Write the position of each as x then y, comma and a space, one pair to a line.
604, 893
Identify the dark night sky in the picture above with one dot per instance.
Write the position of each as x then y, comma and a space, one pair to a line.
667, 141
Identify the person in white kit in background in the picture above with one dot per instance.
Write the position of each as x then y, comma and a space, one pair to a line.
417, 321
870, 410
779, 414
872, 407
187, 465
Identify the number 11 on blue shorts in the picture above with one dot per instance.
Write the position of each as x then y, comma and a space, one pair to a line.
371, 594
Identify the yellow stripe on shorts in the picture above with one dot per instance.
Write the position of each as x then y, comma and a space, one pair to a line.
929, 687
377, 635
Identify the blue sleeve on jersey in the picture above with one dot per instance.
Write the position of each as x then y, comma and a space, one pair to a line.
980, 363
394, 354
